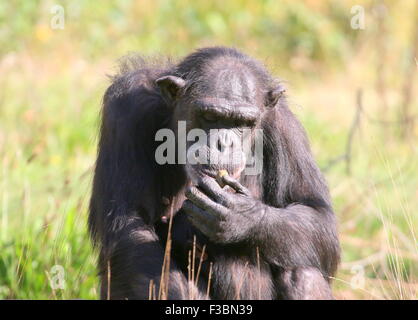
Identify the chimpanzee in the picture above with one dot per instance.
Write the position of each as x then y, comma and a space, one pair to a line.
208, 230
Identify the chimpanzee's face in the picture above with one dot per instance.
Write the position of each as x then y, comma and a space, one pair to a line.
227, 111
226, 108
221, 111
228, 126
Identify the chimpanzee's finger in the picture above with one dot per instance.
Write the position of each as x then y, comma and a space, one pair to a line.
234, 184
204, 202
200, 218
211, 188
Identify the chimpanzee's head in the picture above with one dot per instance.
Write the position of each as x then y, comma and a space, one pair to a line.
224, 94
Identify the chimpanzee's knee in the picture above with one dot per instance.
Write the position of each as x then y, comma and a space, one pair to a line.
304, 283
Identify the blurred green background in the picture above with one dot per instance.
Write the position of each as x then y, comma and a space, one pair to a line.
355, 91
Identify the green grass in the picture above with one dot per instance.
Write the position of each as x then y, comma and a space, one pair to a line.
51, 86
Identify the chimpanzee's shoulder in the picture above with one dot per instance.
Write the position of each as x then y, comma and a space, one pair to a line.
133, 88
136, 72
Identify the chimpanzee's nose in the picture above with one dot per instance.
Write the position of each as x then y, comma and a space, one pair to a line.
224, 140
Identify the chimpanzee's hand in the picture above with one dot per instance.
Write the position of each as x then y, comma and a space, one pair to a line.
223, 216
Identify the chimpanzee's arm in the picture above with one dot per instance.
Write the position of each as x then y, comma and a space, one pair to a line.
297, 236
126, 196
290, 237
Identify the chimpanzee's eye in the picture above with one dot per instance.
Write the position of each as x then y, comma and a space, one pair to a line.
209, 117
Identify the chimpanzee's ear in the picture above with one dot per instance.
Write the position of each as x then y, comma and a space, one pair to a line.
274, 95
170, 87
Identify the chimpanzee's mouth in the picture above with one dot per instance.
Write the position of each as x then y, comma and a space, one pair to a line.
213, 171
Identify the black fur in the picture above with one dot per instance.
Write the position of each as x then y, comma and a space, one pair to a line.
291, 257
